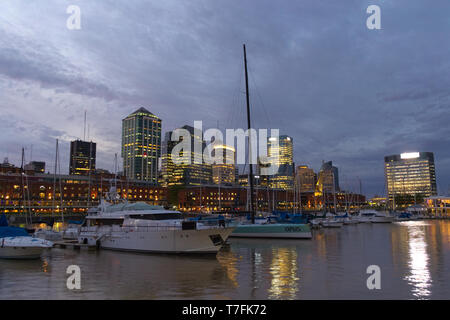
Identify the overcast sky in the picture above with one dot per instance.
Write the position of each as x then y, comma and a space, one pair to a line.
341, 91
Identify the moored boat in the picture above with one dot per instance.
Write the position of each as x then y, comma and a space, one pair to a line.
16, 243
141, 227
373, 216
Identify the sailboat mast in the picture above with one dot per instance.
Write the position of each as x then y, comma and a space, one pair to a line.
54, 178
249, 137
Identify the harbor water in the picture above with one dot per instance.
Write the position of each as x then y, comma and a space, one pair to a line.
413, 257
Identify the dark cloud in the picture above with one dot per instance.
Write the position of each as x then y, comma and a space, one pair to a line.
343, 92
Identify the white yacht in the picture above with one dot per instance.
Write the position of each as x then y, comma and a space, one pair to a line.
374, 217
16, 243
142, 227
23, 247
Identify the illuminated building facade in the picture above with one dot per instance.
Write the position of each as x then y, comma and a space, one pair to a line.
77, 192
82, 157
235, 199
282, 154
438, 206
305, 179
411, 174
141, 145
225, 172
328, 179
197, 172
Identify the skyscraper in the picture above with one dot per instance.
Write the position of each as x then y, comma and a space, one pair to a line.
225, 172
193, 174
141, 145
305, 179
411, 173
328, 178
82, 157
284, 178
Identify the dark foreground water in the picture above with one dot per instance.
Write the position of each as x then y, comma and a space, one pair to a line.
414, 258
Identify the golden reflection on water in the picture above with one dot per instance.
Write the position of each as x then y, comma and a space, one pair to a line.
228, 261
45, 266
283, 269
419, 274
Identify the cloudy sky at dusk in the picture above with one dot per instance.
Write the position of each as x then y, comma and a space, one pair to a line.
343, 92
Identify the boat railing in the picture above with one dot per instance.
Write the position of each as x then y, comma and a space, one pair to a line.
151, 228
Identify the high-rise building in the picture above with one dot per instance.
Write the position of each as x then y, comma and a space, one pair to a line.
282, 155
305, 179
410, 173
82, 157
225, 172
197, 172
328, 178
141, 145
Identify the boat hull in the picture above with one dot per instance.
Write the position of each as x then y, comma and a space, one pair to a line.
280, 231
208, 240
21, 253
332, 224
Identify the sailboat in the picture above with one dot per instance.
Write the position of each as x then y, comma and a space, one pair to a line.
267, 229
48, 233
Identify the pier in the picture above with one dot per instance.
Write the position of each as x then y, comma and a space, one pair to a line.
73, 244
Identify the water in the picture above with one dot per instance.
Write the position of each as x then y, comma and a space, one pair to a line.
414, 258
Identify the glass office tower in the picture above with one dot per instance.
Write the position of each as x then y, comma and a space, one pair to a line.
194, 174
410, 173
82, 157
141, 145
225, 172
284, 179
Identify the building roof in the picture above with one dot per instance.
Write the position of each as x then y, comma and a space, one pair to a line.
142, 110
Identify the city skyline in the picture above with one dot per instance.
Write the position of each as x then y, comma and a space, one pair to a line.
337, 101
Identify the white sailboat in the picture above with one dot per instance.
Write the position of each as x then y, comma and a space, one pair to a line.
265, 229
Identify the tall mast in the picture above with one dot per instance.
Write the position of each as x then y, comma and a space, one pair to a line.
60, 185
54, 177
249, 137
22, 173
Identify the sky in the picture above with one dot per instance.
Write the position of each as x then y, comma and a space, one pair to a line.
343, 92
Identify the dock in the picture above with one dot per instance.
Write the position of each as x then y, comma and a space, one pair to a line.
73, 244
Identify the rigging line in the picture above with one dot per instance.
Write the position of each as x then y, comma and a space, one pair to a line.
235, 102
263, 107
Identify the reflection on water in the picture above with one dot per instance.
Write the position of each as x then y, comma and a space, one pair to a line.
414, 258
229, 261
283, 268
419, 273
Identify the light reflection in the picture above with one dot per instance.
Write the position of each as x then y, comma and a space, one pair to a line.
229, 260
284, 270
45, 266
418, 263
